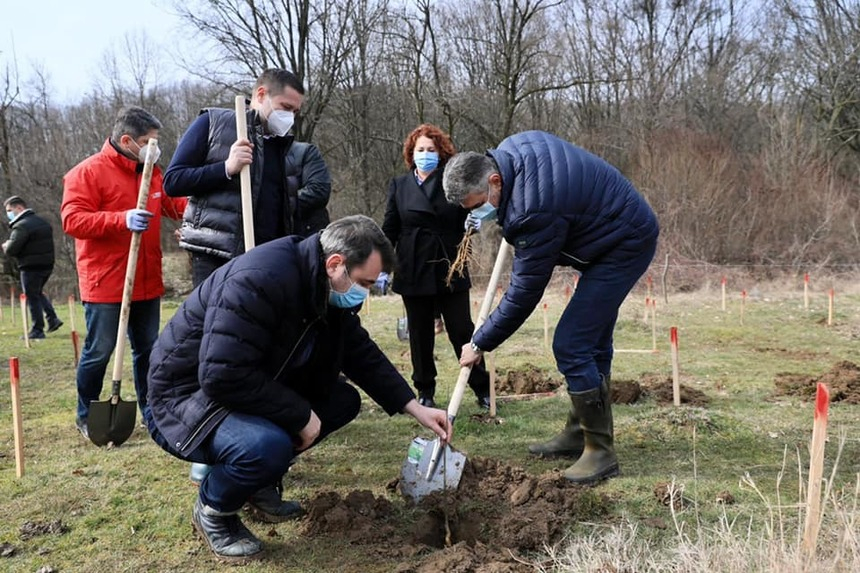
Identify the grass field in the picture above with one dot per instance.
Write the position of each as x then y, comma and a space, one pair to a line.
128, 508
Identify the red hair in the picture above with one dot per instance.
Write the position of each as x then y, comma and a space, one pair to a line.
441, 140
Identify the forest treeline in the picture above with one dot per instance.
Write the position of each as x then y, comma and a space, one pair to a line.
738, 121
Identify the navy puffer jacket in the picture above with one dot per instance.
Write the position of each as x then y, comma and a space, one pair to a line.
560, 205
259, 337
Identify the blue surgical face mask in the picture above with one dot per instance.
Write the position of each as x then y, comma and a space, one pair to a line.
426, 161
353, 296
11, 215
485, 212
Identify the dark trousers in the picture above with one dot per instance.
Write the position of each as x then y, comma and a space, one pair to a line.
420, 315
32, 283
203, 265
248, 453
582, 343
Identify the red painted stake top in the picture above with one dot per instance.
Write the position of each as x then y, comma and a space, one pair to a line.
544, 306
22, 296
822, 401
743, 293
673, 335
13, 368
831, 293
806, 277
723, 281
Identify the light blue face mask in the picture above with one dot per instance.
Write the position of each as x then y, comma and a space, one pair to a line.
426, 161
353, 296
11, 215
485, 213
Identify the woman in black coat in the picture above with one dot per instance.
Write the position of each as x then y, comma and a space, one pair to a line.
426, 230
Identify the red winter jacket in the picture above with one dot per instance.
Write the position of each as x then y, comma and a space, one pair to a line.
97, 192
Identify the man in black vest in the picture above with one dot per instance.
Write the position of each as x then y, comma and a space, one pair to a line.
290, 182
32, 245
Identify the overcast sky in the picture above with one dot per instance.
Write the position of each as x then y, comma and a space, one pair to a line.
68, 38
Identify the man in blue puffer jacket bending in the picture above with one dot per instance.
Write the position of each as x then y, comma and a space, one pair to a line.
248, 371
558, 204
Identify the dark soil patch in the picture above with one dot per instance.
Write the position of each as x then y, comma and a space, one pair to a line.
843, 381
527, 380
659, 388
790, 354
625, 391
497, 516
32, 529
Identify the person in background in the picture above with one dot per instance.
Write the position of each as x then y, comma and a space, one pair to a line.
252, 370
31, 244
290, 183
426, 232
99, 210
558, 204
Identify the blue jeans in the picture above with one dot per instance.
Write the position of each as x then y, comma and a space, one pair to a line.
102, 326
582, 343
248, 453
32, 283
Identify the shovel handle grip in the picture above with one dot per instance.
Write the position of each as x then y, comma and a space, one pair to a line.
245, 178
466, 371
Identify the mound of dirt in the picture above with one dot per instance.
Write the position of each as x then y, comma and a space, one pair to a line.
490, 523
843, 381
527, 380
660, 389
625, 391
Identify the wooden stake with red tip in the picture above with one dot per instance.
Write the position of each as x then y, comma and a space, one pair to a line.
723, 286
17, 425
24, 320
830, 296
72, 311
545, 329
76, 347
816, 470
653, 325
676, 376
743, 304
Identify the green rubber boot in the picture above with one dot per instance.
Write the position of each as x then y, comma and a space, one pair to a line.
567, 444
598, 460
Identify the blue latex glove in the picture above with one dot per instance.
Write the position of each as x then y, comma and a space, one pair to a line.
472, 223
137, 220
382, 282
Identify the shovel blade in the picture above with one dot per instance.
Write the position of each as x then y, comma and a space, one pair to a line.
414, 481
111, 422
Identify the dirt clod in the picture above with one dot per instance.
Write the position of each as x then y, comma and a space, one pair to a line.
527, 380
660, 389
843, 381
32, 529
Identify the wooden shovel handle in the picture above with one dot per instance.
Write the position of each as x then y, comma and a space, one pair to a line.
465, 371
131, 267
245, 178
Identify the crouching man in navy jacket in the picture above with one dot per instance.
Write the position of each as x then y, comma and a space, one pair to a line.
250, 370
558, 204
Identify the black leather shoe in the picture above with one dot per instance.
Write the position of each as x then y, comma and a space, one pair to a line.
34, 335
227, 537
52, 326
426, 400
484, 402
267, 506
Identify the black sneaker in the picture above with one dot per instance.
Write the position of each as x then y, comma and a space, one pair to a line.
426, 400
54, 325
81, 424
34, 335
267, 506
484, 402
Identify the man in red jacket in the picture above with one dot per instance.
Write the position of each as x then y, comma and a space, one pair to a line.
100, 211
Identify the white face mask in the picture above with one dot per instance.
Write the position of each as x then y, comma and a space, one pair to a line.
143, 151
279, 121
